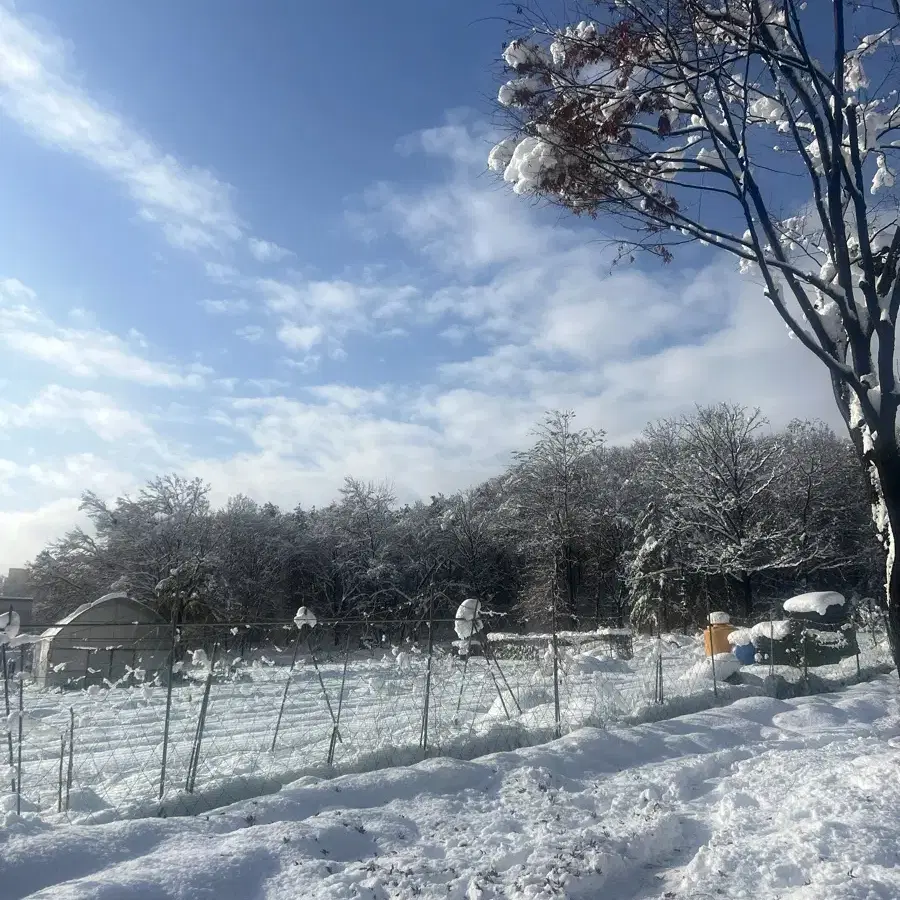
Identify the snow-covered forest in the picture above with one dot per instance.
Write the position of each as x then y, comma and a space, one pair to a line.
715, 507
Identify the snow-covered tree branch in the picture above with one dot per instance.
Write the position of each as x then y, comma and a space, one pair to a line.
748, 126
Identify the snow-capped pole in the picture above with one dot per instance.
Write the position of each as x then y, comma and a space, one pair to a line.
468, 619
305, 616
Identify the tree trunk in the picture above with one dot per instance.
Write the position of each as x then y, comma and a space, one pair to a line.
879, 454
887, 521
747, 586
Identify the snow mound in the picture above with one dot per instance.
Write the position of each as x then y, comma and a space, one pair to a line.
528, 698
719, 618
588, 663
778, 630
740, 637
726, 664
84, 800
814, 602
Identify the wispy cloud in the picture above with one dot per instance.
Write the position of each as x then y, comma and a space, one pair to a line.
82, 352
266, 251
312, 311
61, 407
251, 333
233, 307
40, 91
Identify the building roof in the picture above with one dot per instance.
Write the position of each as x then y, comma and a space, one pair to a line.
106, 598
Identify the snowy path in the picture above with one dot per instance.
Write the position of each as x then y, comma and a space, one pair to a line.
769, 799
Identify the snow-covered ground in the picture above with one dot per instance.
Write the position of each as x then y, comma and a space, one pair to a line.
763, 798
475, 708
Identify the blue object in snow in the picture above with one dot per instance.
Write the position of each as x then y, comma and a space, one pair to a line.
746, 654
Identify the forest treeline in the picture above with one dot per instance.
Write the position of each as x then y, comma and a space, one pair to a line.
714, 509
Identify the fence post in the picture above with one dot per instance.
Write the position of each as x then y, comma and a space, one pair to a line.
168, 716
658, 667
59, 783
21, 718
287, 686
491, 658
771, 645
556, 712
71, 770
315, 662
426, 708
9, 738
805, 658
712, 646
194, 762
334, 731
462, 684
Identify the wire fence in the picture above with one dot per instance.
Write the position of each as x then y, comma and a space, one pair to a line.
166, 720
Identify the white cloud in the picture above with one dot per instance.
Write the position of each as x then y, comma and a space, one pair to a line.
252, 333
313, 310
28, 524
61, 407
267, 385
232, 307
349, 397
81, 472
299, 337
221, 272
266, 251
86, 353
27, 530
39, 91
531, 319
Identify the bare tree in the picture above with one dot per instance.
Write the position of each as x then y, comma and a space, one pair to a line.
686, 120
549, 491
722, 481
817, 492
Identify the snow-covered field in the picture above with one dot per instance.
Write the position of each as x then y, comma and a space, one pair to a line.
763, 798
475, 708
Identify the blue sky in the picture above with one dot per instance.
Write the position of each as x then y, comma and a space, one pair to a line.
257, 243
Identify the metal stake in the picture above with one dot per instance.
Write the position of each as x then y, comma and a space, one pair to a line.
168, 717
21, 722
9, 738
284, 694
194, 762
71, 770
334, 731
